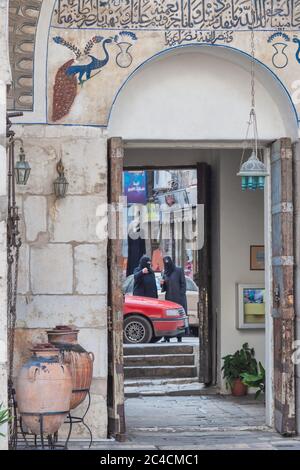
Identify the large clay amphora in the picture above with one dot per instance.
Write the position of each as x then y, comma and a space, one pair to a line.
44, 390
78, 359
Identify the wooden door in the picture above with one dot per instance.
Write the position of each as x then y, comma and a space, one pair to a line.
115, 388
283, 284
204, 278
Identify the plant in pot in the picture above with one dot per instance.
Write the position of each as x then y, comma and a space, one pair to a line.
235, 365
256, 380
4, 416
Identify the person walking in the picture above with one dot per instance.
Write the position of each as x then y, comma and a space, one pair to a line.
174, 285
144, 279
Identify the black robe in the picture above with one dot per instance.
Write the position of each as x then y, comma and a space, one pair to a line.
175, 287
144, 284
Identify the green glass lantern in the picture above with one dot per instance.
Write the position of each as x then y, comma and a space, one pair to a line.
253, 173
22, 169
60, 184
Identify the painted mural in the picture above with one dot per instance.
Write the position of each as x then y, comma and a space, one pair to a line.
95, 45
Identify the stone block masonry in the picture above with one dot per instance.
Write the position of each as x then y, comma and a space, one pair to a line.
63, 273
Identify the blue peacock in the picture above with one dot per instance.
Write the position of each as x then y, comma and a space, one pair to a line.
71, 74
77, 71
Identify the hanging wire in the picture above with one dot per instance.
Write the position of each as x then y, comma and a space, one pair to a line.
252, 118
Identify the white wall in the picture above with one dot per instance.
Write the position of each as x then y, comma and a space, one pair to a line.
241, 225
200, 94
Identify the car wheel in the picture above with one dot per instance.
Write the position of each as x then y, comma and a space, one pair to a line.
137, 330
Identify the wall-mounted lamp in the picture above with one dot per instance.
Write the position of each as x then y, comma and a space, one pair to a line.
22, 168
60, 184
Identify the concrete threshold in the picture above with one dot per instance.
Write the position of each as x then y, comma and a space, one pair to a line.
200, 429
175, 390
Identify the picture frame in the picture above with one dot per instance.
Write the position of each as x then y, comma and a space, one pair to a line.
250, 306
257, 258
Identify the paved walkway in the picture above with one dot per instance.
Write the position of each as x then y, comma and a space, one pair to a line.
196, 423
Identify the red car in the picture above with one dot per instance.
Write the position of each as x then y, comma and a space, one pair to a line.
146, 320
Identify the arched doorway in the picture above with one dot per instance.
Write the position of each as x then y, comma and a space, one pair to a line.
192, 104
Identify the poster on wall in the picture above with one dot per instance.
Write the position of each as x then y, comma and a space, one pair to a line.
257, 257
251, 306
135, 187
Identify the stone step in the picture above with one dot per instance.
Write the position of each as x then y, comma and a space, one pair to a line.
157, 349
160, 371
161, 360
163, 381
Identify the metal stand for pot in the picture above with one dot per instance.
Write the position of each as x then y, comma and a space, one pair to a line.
80, 419
42, 442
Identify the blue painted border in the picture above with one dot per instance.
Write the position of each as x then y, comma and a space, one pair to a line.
190, 45
159, 30
47, 56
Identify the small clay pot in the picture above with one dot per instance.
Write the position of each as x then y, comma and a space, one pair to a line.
239, 389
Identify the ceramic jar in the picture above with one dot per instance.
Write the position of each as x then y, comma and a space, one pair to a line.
44, 390
80, 362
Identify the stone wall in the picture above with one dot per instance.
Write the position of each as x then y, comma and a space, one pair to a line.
63, 273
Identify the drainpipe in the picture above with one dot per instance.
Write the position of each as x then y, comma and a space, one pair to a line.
5, 79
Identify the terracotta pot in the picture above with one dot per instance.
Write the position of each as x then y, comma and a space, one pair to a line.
44, 385
78, 359
238, 389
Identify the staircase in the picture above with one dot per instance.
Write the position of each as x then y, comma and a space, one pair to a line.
159, 361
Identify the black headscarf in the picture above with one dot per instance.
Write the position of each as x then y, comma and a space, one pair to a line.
145, 262
169, 266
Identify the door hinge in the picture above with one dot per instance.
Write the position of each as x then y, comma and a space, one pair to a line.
109, 319
277, 296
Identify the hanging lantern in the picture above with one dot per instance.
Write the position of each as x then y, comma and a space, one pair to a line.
253, 173
60, 184
22, 169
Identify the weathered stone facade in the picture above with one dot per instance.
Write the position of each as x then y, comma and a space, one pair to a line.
63, 263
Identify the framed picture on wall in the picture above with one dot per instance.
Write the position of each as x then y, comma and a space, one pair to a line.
257, 257
251, 306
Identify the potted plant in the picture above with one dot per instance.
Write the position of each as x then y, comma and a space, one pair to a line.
256, 380
4, 416
235, 365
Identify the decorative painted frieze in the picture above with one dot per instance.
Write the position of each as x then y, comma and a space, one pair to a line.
23, 19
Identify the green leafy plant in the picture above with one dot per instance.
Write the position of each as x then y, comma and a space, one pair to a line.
242, 361
255, 380
4, 416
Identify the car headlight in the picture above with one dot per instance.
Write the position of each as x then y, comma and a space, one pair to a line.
173, 312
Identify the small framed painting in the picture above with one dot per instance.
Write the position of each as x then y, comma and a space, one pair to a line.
257, 257
251, 306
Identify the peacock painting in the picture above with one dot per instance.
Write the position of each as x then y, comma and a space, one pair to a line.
71, 76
